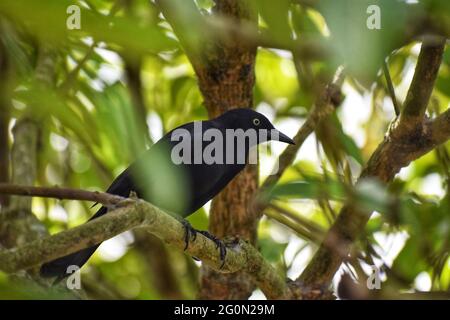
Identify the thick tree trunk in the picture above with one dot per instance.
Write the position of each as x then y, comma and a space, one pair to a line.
226, 82
18, 224
5, 93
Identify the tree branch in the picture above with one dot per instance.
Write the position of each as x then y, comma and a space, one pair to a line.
241, 256
422, 85
410, 137
107, 199
390, 87
324, 106
440, 128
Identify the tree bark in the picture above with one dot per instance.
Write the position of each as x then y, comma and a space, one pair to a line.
18, 224
226, 81
5, 92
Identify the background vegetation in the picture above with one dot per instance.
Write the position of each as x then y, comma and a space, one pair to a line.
77, 106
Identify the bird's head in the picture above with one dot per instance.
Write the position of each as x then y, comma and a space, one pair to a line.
245, 118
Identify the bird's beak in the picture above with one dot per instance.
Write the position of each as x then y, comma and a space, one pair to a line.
281, 137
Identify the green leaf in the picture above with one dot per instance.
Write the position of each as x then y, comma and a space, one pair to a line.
409, 263
276, 18
272, 251
309, 190
47, 20
360, 48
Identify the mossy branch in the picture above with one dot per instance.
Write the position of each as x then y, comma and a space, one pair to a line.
132, 213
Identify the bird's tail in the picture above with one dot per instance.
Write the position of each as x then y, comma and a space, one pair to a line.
60, 267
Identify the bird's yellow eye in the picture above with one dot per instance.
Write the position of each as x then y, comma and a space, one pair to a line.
256, 121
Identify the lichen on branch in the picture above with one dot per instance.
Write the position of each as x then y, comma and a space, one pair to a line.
132, 213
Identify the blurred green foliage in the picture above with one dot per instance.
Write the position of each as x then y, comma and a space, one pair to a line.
89, 128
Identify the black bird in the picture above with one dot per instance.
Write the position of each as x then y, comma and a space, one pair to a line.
158, 177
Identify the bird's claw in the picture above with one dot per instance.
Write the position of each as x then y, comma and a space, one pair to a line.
189, 233
219, 245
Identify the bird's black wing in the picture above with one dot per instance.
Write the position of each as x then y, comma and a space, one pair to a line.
207, 180
201, 182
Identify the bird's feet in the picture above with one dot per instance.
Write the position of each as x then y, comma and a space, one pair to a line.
191, 234
219, 245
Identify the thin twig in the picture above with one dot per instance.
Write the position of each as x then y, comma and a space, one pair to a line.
324, 106
297, 228
306, 223
391, 89
71, 77
61, 193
